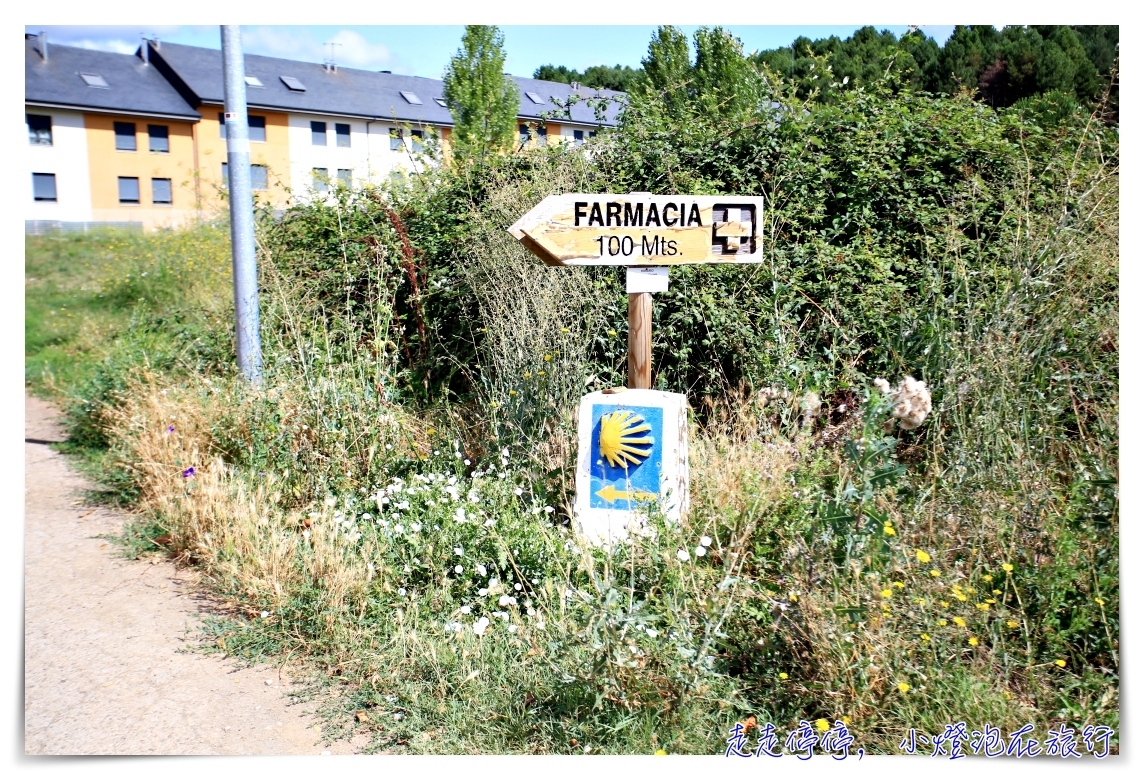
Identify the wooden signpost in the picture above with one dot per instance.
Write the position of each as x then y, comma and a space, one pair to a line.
634, 451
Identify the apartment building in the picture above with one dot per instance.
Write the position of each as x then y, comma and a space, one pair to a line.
148, 129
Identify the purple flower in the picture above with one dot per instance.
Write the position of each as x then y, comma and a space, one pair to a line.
170, 429
188, 473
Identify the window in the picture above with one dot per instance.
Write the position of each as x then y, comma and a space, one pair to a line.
129, 190
160, 192
293, 84
343, 133
258, 177
578, 137
321, 178
541, 134
395, 143
418, 135
441, 102
411, 98
257, 125
44, 187
535, 98
125, 136
94, 80
39, 130
159, 142
318, 133
253, 81
345, 177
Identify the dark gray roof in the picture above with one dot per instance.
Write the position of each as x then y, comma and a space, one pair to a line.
582, 111
132, 85
197, 73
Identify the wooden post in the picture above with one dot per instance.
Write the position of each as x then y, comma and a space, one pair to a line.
639, 340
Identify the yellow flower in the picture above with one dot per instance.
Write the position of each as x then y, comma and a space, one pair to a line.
990, 601
1012, 623
547, 358
983, 607
1099, 601
973, 641
782, 675
564, 330
996, 592
1007, 567
923, 556
959, 621
887, 592
945, 604
934, 573
823, 724
888, 530
904, 687
925, 637
794, 597
961, 597
845, 721
512, 392
661, 752
943, 622
1060, 662
988, 578
430, 432
898, 585
527, 374
611, 333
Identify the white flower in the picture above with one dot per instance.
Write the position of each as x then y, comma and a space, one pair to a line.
531, 611
480, 626
505, 600
549, 509
517, 586
512, 629
466, 609
415, 527
401, 591
700, 551
683, 555
459, 516
490, 523
366, 516
504, 452
468, 462
483, 592
518, 491
540, 624
652, 632
458, 551
459, 569
705, 541
265, 614
330, 501
399, 529
481, 570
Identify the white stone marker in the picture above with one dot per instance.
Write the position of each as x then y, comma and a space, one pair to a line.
632, 454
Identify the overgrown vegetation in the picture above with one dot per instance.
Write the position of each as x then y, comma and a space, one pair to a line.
390, 512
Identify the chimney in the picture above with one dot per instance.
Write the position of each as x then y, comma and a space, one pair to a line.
144, 50
44, 45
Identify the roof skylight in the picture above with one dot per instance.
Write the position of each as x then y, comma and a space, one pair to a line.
411, 98
94, 80
535, 98
441, 102
253, 81
293, 84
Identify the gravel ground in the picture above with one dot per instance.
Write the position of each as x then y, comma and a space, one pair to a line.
105, 664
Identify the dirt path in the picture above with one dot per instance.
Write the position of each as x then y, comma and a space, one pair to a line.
103, 671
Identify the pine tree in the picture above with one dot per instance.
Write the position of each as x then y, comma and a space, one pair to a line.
483, 100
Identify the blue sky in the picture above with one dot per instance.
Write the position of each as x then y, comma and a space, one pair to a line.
424, 50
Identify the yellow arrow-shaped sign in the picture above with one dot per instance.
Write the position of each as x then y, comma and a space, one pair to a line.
611, 495
641, 229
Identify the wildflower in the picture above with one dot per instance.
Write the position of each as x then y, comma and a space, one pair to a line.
1008, 567
944, 604
898, 585
661, 752
700, 551
188, 472
483, 592
923, 556
266, 614
540, 624
549, 510
960, 621
996, 592
987, 578
911, 401
1061, 662
983, 607
973, 641
480, 626
651, 632
506, 600
517, 586
925, 637
518, 491
888, 530
1099, 601
548, 358
782, 675
401, 591
459, 516
459, 569
330, 501
170, 429
823, 724
904, 687
430, 431
415, 528
481, 570
683, 555
399, 529
887, 593
943, 622
466, 609
705, 541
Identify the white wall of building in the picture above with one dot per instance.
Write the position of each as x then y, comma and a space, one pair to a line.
67, 159
368, 156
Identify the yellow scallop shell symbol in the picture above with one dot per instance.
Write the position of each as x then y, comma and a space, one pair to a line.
619, 439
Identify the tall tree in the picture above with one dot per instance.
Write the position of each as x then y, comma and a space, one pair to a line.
483, 100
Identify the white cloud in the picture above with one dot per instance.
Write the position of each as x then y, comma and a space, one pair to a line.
352, 49
105, 44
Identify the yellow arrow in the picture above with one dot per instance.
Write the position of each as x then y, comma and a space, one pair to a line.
611, 495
